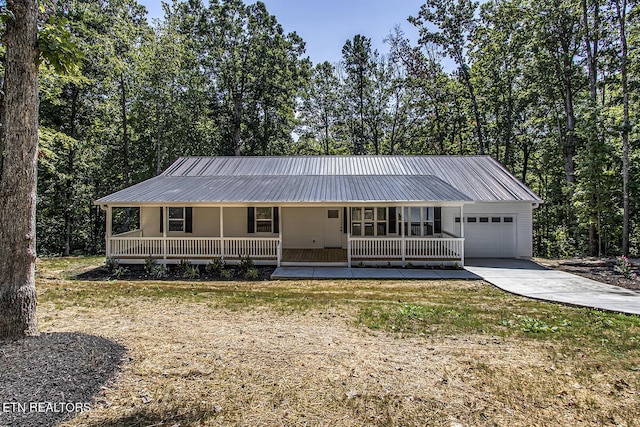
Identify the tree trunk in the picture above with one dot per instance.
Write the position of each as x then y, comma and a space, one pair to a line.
18, 174
126, 168
474, 104
237, 123
621, 13
591, 44
68, 220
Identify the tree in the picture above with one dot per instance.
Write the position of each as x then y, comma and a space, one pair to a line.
18, 162
356, 56
456, 23
621, 18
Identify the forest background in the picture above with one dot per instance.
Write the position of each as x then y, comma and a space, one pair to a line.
549, 88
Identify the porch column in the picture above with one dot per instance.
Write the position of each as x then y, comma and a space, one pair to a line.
403, 244
108, 232
462, 235
222, 245
349, 236
279, 236
164, 234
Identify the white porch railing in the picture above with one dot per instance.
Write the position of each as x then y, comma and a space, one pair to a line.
196, 247
407, 248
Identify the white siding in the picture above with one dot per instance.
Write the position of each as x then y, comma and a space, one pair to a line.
206, 223
303, 228
482, 244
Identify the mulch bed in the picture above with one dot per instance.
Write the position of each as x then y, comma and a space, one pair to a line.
50, 378
600, 269
137, 273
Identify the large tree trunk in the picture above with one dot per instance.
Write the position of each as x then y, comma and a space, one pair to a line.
18, 174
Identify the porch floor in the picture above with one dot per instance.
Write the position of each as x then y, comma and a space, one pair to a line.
314, 255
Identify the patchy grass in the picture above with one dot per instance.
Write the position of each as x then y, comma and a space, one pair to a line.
346, 353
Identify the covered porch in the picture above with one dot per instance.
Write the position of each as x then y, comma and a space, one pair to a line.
292, 235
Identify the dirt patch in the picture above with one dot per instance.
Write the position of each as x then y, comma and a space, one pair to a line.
191, 364
600, 269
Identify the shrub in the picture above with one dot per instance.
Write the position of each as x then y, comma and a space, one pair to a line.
153, 269
225, 274
119, 272
252, 274
624, 267
187, 270
245, 264
216, 265
111, 264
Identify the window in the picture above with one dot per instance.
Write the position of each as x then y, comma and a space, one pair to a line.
495, 219
457, 219
472, 219
484, 219
332, 213
369, 221
508, 219
418, 221
264, 220
176, 219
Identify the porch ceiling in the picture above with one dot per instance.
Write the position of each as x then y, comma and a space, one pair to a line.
288, 189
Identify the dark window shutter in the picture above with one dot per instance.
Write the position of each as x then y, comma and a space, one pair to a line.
276, 220
437, 220
345, 225
251, 220
393, 221
188, 220
162, 220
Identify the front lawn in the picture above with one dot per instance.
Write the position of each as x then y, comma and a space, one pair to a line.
345, 353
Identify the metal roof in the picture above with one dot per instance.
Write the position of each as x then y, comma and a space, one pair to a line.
283, 188
328, 179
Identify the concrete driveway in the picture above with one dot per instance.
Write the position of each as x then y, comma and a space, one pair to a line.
531, 280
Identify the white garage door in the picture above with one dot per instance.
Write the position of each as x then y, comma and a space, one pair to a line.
490, 236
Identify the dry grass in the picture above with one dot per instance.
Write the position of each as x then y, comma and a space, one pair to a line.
325, 353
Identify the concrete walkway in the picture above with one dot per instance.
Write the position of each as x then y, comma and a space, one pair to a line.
529, 279
309, 273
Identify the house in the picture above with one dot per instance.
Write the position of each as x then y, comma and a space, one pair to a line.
326, 210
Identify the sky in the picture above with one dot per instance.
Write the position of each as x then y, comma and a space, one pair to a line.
325, 25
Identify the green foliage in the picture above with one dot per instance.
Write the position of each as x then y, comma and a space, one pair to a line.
57, 46
625, 268
216, 265
252, 274
188, 270
111, 264
245, 264
153, 269
529, 324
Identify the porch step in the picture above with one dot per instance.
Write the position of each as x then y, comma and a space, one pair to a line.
313, 264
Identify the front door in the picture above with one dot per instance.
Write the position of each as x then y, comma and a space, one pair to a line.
332, 228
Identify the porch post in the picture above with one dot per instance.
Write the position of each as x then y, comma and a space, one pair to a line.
164, 234
222, 251
348, 236
279, 237
462, 235
403, 244
108, 232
